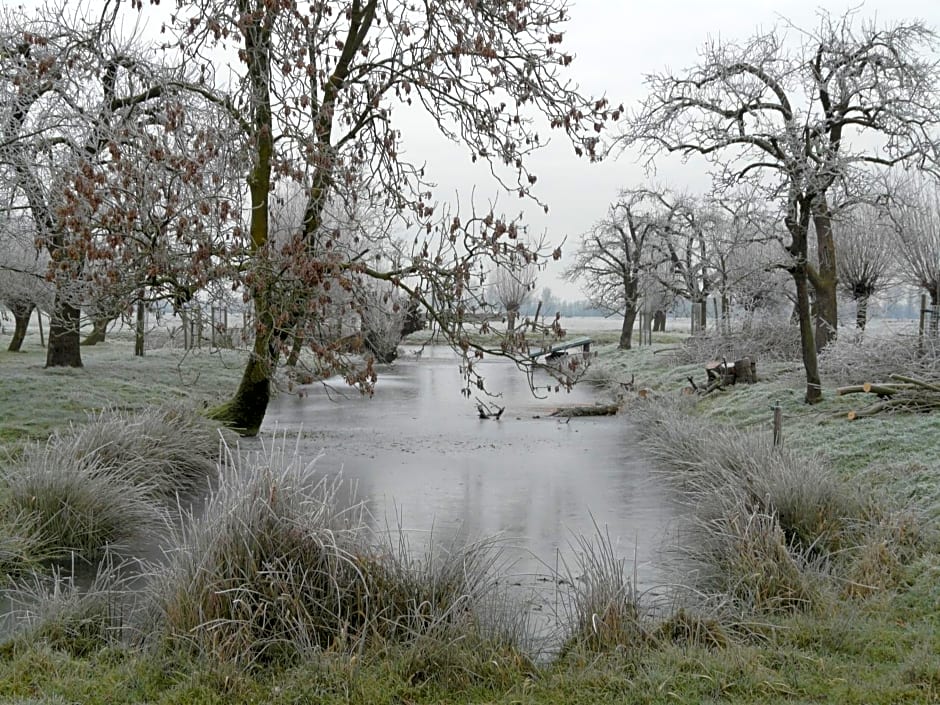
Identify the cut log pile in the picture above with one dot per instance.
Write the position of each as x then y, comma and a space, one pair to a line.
721, 373
901, 394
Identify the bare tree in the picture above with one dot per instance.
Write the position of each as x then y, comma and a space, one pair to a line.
513, 287
23, 285
915, 217
383, 314
684, 245
615, 257
786, 119
866, 241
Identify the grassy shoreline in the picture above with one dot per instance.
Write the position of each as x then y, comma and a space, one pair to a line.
877, 648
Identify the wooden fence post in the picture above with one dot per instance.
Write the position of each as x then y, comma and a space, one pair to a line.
778, 425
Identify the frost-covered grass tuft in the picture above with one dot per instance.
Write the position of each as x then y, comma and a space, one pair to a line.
274, 568
22, 546
80, 619
169, 450
80, 506
857, 358
107, 483
600, 605
772, 528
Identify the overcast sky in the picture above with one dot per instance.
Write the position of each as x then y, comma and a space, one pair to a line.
616, 43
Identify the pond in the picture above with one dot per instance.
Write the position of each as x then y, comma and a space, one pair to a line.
421, 458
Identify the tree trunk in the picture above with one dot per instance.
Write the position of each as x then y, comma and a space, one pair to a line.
64, 335
296, 345
725, 312
98, 333
807, 343
659, 322
139, 327
22, 311
626, 330
825, 281
245, 411
511, 313
861, 312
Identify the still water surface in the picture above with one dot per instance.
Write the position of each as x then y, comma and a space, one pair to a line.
420, 457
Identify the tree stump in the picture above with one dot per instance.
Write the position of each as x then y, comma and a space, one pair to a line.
721, 373
745, 371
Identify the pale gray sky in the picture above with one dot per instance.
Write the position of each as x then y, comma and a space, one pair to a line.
617, 42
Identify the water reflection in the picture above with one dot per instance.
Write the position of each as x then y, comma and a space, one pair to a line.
419, 455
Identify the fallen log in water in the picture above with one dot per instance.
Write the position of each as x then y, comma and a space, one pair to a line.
595, 410
489, 411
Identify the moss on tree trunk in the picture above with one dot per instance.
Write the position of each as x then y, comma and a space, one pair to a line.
245, 411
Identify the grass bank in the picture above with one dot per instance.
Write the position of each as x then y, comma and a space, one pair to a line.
35, 401
818, 576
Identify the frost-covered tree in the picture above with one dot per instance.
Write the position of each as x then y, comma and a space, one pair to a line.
317, 89
615, 258
23, 285
867, 243
512, 287
915, 217
78, 96
791, 112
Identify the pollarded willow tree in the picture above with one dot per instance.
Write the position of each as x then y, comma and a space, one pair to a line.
915, 219
791, 120
617, 257
318, 88
867, 244
512, 288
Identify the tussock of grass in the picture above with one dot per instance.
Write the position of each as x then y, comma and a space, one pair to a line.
168, 450
601, 607
269, 570
685, 628
105, 484
771, 528
22, 548
78, 506
272, 570
78, 619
